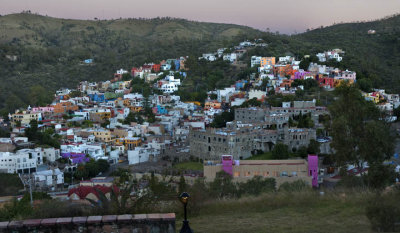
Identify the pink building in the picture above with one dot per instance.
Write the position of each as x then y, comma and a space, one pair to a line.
43, 109
227, 162
313, 169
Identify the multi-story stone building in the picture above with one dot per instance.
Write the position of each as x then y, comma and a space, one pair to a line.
254, 130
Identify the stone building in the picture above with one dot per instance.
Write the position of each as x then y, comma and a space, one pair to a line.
254, 130
243, 140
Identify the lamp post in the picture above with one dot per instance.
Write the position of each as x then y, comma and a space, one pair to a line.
184, 198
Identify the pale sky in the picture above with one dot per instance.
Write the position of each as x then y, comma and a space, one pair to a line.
286, 16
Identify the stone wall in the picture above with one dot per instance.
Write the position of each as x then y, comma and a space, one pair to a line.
138, 223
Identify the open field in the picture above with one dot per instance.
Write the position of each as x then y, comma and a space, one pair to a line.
298, 212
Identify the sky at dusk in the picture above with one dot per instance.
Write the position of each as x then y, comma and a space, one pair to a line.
286, 16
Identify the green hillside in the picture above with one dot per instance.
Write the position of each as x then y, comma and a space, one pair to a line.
374, 56
50, 50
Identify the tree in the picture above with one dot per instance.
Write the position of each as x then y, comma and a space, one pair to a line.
396, 112
358, 133
221, 119
222, 186
102, 165
32, 131
280, 151
313, 147
182, 185
39, 96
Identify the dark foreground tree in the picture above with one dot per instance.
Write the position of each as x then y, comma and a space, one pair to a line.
358, 134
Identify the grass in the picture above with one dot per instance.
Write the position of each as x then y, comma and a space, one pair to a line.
195, 166
10, 184
284, 212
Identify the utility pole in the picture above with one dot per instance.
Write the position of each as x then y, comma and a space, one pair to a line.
30, 187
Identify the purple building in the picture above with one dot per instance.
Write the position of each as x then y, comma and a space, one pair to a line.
300, 74
76, 158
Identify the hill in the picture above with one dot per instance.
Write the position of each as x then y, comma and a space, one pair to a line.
375, 57
49, 51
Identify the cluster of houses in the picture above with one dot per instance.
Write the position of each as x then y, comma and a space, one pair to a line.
281, 72
384, 101
333, 54
92, 120
232, 54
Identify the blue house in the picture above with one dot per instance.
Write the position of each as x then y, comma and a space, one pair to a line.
177, 64
240, 84
98, 97
161, 110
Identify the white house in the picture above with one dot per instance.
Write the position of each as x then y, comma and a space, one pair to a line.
141, 154
122, 71
231, 57
93, 150
48, 178
169, 87
51, 154
225, 93
165, 67
20, 162
255, 61
208, 57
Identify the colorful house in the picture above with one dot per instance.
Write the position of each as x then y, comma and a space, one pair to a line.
76, 158
301, 74
129, 142
267, 62
161, 110
65, 107
156, 68
97, 97
212, 104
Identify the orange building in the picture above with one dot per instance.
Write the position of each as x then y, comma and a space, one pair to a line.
212, 104
284, 70
287, 83
267, 61
65, 107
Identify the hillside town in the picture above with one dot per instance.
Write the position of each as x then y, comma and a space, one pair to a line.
119, 125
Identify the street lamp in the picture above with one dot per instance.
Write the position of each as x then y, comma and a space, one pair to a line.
184, 198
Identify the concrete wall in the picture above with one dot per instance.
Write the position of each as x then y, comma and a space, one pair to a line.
138, 223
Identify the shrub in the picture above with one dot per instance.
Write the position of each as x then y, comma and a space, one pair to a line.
295, 186
384, 211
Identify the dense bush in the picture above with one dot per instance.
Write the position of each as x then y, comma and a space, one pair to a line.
383, 211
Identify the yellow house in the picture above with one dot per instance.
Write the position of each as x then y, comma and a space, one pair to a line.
135, 108
267, 61
129, 142
103, 135
373, 96
24, 117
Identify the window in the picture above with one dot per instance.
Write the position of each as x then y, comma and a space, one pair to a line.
247, 173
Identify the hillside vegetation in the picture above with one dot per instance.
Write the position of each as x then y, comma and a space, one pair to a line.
50, 51
375, 57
